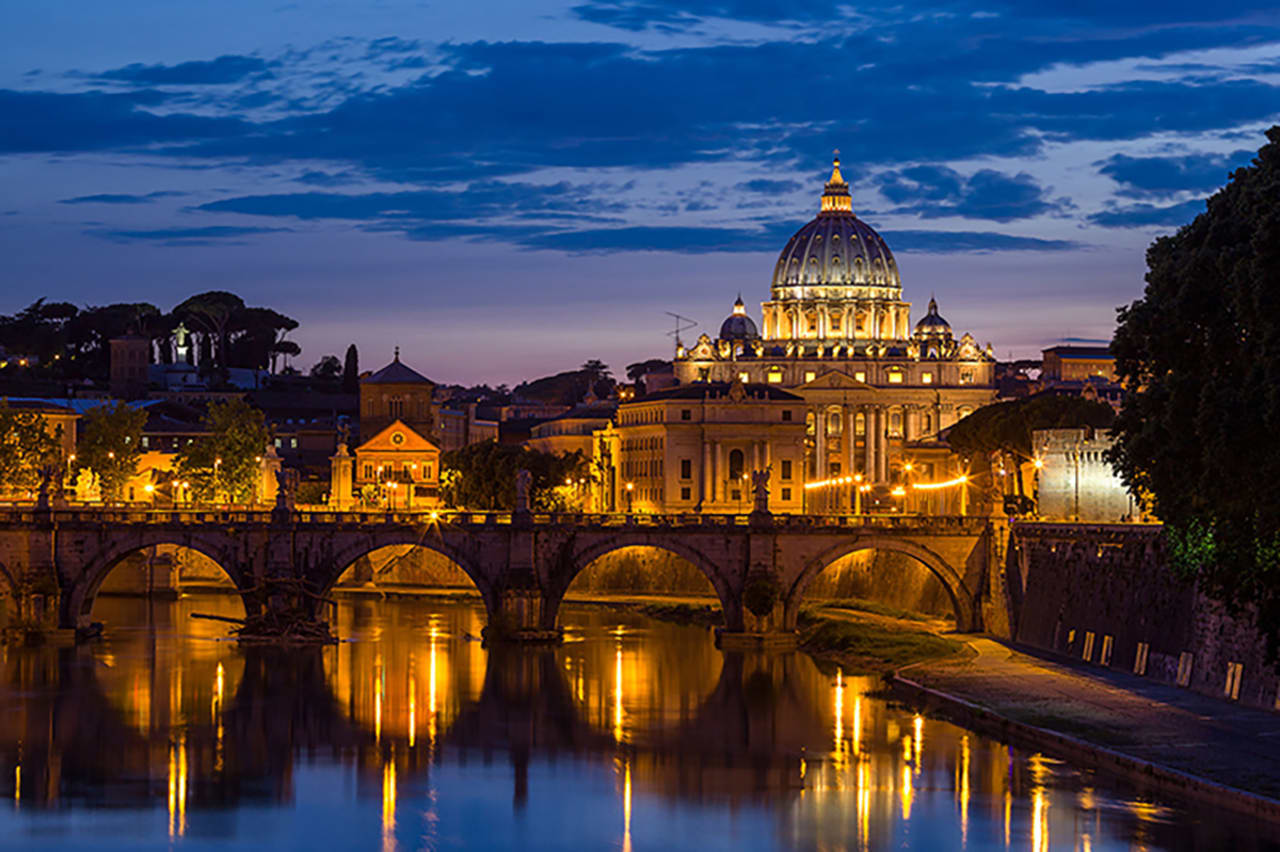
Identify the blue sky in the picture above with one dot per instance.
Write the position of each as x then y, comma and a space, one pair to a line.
506, 189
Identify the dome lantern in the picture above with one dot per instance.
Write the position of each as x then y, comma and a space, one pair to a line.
835, 195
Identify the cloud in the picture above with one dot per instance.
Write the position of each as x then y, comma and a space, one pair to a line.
1148, 215
92, 121
937, 191
769, 187
479, 200
1163, 177
224, 69
954, 242
210, 235
114, 198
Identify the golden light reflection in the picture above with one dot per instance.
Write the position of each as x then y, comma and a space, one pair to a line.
907, 792
413, 706
379, 684
864, 804
218, 686
626, 807
431, 688
17, 785
964, 791
838, 747
918, 736
1008, 815
1039, 821
617, 690
389, 804
178, 787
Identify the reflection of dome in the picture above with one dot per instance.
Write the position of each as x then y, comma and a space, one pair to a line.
932, 323
738, 326
836, 248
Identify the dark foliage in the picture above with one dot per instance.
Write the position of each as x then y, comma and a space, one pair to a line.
1200, 354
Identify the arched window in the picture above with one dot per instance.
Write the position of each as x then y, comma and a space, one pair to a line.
835, 423
735, 464
860, 424
809, 423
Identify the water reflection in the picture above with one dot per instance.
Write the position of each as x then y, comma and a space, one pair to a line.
413, 735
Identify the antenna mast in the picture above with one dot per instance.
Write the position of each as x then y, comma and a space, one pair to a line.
680, 325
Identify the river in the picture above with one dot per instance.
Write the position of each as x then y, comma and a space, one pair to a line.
632, 735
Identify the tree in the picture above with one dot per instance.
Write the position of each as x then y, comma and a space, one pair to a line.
328, 367
226, 464
112, 445
1199, 354
27, 449
288, 349
1005, 428
483, 476
351, 371
213, 314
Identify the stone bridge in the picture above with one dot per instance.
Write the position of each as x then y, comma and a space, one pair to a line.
55, 560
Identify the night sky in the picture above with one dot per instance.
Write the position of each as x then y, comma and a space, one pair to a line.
507, 189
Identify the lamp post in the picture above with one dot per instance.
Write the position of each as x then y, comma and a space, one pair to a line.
857, 494
217, 464
631, 487
907, 469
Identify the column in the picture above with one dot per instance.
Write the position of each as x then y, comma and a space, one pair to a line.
869, 448
717, 482
851, 439
882, 442
755, 456
820, 443
704, 495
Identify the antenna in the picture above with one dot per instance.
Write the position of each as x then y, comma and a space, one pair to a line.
680, 325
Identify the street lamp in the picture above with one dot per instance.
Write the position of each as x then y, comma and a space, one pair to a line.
217, 463
151, 491
631, 487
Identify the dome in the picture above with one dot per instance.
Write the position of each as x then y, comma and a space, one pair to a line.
836, 249
932, 322
738, 326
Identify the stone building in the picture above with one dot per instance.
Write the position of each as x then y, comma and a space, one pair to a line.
398, 468
693, 449
1074, 480
398, 393
837, 334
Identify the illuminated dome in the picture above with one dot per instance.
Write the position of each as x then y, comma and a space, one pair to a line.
932, 323
738, 326
836, 249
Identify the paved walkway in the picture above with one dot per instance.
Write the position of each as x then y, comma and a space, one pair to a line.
1168, 726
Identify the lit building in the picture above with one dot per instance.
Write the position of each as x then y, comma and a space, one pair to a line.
398, 468
1074, 480
572, 431
398, 393
876, 391
693, 448
1077, 364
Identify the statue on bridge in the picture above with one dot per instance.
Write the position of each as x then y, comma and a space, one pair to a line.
524, 479
286, 489
760, 488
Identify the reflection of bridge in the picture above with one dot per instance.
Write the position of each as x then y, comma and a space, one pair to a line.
747, 736
521, 563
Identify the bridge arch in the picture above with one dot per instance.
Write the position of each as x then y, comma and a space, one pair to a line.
581, 558
343, 558
962, 599
78, 598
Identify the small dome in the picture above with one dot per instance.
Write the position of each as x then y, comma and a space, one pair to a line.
836, 248
932, 323
738, 326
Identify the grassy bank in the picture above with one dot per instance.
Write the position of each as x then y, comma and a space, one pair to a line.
863, 636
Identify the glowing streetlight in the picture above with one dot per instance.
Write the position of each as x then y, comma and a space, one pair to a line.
631, 487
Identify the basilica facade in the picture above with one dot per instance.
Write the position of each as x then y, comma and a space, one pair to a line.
871, 390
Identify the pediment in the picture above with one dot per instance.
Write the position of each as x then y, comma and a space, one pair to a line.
835, 380
398, 438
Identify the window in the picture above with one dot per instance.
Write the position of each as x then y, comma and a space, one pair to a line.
744, 378
145, 441
860, 376
1088, 646
293, 443
684, 493
775, 377
926, 378
426, 470
686, 469
895, 377
966, 377
395, 407
736, 463
834, 423
279, 443
1104, 659
810, 375
786, 468
786, 494
786, 415
368, 471
686, 414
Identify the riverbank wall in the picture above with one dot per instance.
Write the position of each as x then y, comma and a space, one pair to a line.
1105, 594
